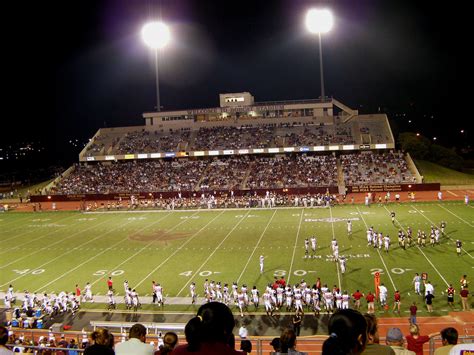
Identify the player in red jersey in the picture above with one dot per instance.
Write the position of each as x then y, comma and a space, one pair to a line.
357, 296
397, 303
370, 303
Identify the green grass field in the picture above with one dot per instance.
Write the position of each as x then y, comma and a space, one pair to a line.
436, 173
52, 251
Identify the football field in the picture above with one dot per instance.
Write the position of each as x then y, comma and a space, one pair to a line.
54, 251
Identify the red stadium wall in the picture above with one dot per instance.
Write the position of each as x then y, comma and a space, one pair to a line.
394, 187
184, 194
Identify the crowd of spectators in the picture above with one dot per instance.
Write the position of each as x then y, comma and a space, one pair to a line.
372, 168
244, 136
244, 172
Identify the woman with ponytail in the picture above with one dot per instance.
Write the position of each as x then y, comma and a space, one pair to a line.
347, 333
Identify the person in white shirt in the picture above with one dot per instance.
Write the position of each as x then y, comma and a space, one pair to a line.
243, 332
262, 258
383, 294
136, 343
429, 287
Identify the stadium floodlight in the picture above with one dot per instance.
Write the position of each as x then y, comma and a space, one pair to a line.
319, 21
156, 35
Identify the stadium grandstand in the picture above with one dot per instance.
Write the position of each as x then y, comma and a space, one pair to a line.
242, 147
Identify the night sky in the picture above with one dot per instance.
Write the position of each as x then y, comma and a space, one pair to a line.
75, 66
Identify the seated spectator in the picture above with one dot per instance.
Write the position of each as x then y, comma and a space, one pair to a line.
246, 346
415, 341
169, 343
102, 343
136, 342
394, 339
373, 347
210, 332
275, 343
347, 333
449, 338
288, 343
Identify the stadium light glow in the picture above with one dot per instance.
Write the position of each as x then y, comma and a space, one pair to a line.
319, 21
156, 34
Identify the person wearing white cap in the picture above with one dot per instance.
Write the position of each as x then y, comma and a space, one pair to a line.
395, 340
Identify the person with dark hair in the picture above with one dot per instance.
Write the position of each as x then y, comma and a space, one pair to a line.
3, 340
169, 343
136, 343
275, 343
103, 343
246, 346
288, 343
347, 333
210, 332
373, 346
449, 337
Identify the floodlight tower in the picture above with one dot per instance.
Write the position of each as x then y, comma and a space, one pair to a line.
156, 35
319, 21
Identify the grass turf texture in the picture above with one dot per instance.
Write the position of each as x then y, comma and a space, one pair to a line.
52, 251
436, 173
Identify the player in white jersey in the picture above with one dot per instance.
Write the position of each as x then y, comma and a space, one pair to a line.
333, 244
313, 246
338, 296
235, 292
437, 235
262, 258
135, 300
10, 294
255, 297
279, 296
288, 298
417, 283
316, 300
380, 240
125, 286
466, 199
298, 301
246, 296
226, 294
349, 228
429, 288
128, 298
342, 264
328, 300
306, 248
88, 293
369, 237
110, 300
267, 301
345, 300
336, 253
159, 295
386, 241
192, 291
383, 294
219, 296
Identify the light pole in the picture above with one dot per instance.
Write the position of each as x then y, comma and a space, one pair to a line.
156, 35
319, 21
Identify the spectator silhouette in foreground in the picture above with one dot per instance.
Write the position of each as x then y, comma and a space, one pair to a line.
210, 332
347, 333
103, 343
373, 347
449, 337
169, 343
136, 343
394, 339
4, 340
288, 343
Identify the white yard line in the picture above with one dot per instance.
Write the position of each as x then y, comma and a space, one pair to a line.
177, 250
452, 193
433, 223
296, 245
421, 251
31, 231
256, 246
380, 256
455, 215
143, 248
102, 252
61, 240
62, 255
334, 236
215, 249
